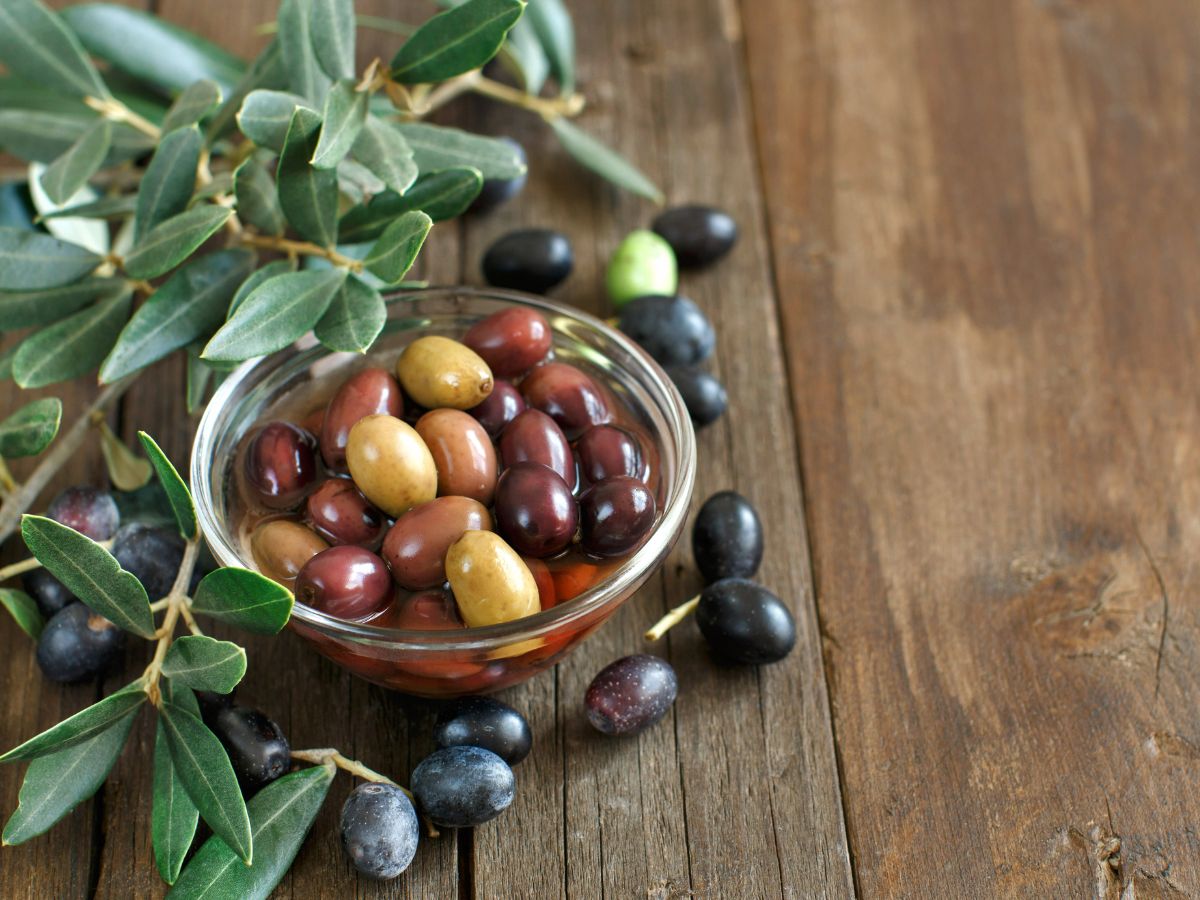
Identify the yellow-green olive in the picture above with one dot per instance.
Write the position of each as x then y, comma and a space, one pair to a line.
438, 372
491, 583
390, 464
282, 547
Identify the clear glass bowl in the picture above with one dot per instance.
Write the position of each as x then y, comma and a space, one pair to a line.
468, 660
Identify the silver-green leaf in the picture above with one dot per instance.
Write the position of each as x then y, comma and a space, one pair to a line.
308, 195
296, 41
342, 120
383, 150
440, 195
333, 26
398, 246
178, 496
31, 428
205, 664
24, 611
83, 726
170, 179
257, 202
32, 261
604, 160
173, 816
196, 102
265, 116
83, 159
39, 136
455, 41
436, 147
25, 308
173, 240
73, 346
552, 23
37, 46
257, 277
354, 318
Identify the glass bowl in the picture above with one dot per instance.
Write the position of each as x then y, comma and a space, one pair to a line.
467, 660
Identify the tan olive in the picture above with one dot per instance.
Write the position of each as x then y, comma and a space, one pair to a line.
281, 548
438, 372
462, 452
491, 583
390, 464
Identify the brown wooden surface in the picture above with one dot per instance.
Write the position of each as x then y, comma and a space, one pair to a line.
962, 312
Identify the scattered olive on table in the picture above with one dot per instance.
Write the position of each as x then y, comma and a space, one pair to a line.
379, 829
77, 643
642, 264
673, 330
257, 748
497, 191
727, 537
487, 723
532, 260
631, 694
463, 786
744, 622
47, 592
699, 235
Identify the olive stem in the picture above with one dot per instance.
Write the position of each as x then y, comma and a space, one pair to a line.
159, 605
188, 619
176, 601
8, 484
117, 111
286, 245
552, 108
671, 619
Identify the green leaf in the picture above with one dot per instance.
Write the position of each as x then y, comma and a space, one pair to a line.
20, 310
309, 196
23, 610
257, 202
31, 261
281, 815
332, 24
270, 270
203, 766
266, 72
91, 572
604, 161
552, 23
354, 318
169, 180
455, 41
383, 150
39, 136
31, 428
171, 242
90, 234
243, 598
398, 246
357, 182
296, 41
343, 118
440, 195
199, 375
204, 664
196, 102
221, 183
55, 784
83, 726
266, 115
6, 358
522, 53
16, 207
176, 489
73, 346
436, 147
71, 171
126, 470
173, 815
104, 208
276, 313
189, 305
15, 93
151, 49
37, 46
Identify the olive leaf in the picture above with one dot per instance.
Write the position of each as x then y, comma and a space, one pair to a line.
114, 207
31, 428
455, 41
266, 72
81, 161
437, 147
296, 41
23, 610
37, 46
281, 815
199, 376
604, 160
523, 54
440, 195
16, 207
270, 270
332, 24
173, 240
16, 93
196, 102
257, 202
38, 136
87, 233
173, 816
178, 495
31, 261
357, 182
342, 120
398, 246
243, 598
25, 308
383, 150
308, 195
552, 23
83, 726
90, 572
126, 470
73, 346
170, 179
6, 358
205, 664
266, 115
354, 318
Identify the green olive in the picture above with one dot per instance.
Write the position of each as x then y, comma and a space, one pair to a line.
643, 264
282, 547
491, 583
438, 372
390, 464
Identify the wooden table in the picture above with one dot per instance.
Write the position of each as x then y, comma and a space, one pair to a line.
963, 314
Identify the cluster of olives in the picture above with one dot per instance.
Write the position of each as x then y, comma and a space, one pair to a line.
474, 465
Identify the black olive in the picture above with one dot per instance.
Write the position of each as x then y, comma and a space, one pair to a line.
703, 394
673, 330
533, 260
744, 622
699, 235
727, 537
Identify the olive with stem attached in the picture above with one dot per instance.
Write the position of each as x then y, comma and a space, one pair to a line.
741, 620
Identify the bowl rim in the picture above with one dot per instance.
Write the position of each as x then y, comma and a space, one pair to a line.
624, 580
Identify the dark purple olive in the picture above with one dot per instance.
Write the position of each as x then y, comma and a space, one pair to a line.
532, 260
727, 537
699, 235
484, 722
535, 510
77, 644
570, 397
152, 554
502, 405
496, 191
345, 582
366, 393
631, 694
744, 622
91, 512
615, 514
379, 830
459, 787
606, 450
534, 437
703, 395
671, 329
342, 515
47, 592
256, 746
281, 462
511, 341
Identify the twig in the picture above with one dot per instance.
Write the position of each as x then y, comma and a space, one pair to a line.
119, 112
327, 755
548, 108
8, 484
671, 619
305, 248
176, 601
27, 565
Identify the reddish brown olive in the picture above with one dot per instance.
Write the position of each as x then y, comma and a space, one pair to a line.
365, 393
535, 510
415, 547
342, 515
281, 463
511, 341
567, 395
502, 405
606, 450
615, 514
462, 452
534, 437
346, 582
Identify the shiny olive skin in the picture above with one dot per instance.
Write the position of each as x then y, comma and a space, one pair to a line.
281, 548
491, 583
77, 644
428, 611
535, 437
415, 547
391, 464
256, 745
511, 341
727, 537
342, 515
631, 694
496, 191
502, 405
535, 510
367, 393
90, 511
531, 259
703, 394
436, 371
281, 463
569, 396
744, 622
671, 329
487, 723
462, 452
346, 582
459, 787
699, 235
615, 514
606, 450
